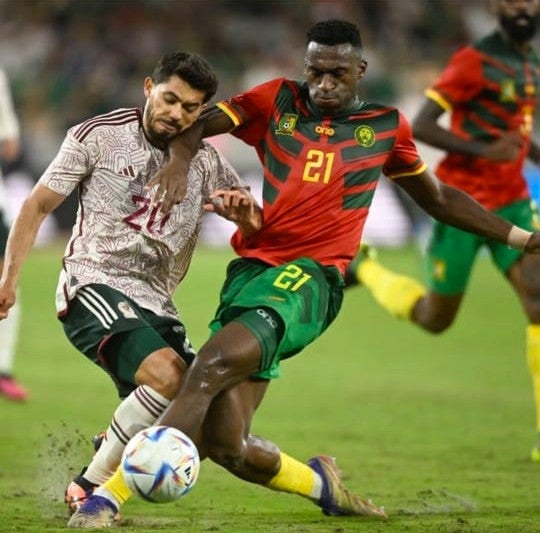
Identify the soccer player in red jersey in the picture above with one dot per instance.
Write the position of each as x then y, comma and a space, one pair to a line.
323, 150
491, 89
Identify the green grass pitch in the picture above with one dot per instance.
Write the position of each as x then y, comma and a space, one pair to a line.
436, 428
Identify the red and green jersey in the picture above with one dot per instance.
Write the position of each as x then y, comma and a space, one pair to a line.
320, 172
490, 88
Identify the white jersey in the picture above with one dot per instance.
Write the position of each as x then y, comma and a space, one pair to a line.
9, 124
9, 128
119, 239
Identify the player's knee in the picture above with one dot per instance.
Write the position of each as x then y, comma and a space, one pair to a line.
228, 456
437, 326
433, 319
162, 372
215, 371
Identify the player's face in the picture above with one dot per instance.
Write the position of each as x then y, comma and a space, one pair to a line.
332, 74
171, 107
517, 18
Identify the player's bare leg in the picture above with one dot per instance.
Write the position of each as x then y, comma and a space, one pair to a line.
258, 460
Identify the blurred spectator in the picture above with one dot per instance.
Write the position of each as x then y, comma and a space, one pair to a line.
9, 150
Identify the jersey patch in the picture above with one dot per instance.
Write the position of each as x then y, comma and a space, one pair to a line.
364, 135
286, 124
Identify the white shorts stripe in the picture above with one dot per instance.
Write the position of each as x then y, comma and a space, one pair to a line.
99, 301
105, 321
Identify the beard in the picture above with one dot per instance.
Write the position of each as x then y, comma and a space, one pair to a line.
516, 29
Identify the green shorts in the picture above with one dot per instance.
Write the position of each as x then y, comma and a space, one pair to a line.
451, 252
4, 230
303, 295
115, 333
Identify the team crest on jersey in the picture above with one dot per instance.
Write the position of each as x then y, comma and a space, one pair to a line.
508, 90
287, 123
126, 310
364, 136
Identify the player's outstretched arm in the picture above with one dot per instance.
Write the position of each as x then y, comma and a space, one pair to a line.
452, 206
171, 179
40, 202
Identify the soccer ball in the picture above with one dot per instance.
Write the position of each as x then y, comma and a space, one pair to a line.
160, 464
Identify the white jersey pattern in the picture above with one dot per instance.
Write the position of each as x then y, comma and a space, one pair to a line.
119, 239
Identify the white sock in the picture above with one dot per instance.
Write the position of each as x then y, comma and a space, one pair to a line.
138, 411
9, 329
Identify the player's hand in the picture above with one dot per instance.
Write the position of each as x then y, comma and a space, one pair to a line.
504, 149
171, 182
7, 300
238, 206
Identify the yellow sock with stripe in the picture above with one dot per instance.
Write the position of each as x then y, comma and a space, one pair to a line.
396, 293
115, 488
533, 359
297, 478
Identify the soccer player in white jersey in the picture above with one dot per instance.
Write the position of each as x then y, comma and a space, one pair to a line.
9, 150
125, 258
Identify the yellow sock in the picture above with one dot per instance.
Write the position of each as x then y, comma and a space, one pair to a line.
295, 477
533, 358
396, 293
117, 487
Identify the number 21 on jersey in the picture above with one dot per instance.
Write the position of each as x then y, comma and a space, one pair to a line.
318, 166
292, 278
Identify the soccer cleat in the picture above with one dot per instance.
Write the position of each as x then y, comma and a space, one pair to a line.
351, 273
335, 499
95, 512
77, 492
11, 389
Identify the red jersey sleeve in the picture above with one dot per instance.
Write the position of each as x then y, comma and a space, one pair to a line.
251, 111
460, 81
404, 159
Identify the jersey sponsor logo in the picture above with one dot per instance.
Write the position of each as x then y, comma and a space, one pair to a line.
508, 90
364, 136
262, 313
325, 130
286, 124
126, 310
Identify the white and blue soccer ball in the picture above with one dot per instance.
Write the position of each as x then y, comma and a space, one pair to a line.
160, 464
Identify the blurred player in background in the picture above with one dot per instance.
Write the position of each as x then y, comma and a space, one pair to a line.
491, 89
323, 151
9, 150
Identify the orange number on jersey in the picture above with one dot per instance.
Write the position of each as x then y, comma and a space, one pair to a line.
318, 166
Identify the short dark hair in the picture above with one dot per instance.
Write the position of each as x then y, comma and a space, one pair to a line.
334, 31
191, 68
